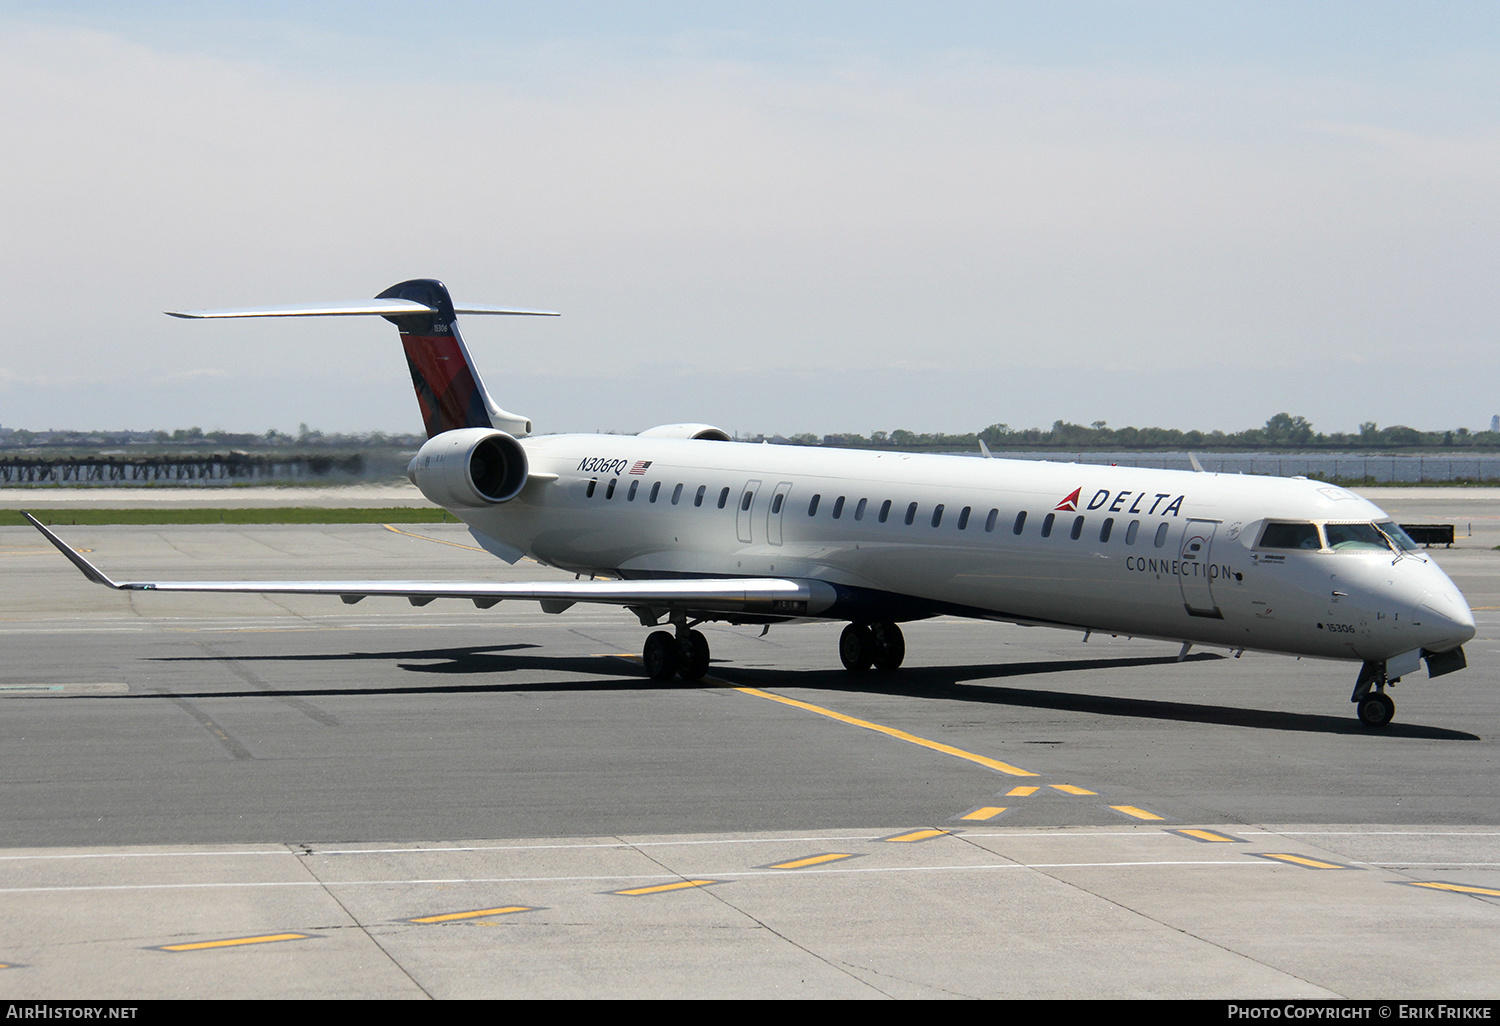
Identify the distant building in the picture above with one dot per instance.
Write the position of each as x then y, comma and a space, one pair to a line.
1495, 422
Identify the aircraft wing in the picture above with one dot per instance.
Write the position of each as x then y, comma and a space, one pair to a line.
765, 595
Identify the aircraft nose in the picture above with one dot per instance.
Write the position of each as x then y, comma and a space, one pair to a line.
1447, 622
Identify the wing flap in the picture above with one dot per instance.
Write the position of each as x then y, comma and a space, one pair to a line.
784, 596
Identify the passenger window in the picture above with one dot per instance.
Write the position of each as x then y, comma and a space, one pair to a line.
630, 495
698, 498
655, 490
609, 489
812, 507
1077, 528
1130, 532
589, 492
1161, 536
989, 521
859, 510
885, 510
1290, 536
723, 496
1106, 528
1020, 523
963, 519
911, 514
776, 503
746, 499
838, 507
676, 494
1047, 525
937, 514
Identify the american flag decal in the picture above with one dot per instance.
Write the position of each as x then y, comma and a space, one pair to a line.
640, 466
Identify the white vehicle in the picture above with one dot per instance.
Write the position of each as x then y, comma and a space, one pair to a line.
689, 526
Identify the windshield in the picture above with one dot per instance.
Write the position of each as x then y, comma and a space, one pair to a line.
1355, 538
1398, 537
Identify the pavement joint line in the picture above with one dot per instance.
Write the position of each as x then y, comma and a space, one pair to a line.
840, 838
727, 875
901, 735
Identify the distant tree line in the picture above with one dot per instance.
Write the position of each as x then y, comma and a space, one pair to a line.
1283, 431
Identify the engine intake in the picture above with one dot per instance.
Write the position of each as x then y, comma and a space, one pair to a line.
469, 468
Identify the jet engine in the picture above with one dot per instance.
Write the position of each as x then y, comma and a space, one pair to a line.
469, 468
704, 431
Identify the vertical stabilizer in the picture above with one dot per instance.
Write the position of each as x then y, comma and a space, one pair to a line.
448, 386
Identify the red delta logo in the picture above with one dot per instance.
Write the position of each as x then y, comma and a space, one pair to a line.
1070, 504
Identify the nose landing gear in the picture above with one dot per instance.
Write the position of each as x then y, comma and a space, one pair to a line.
1373, 706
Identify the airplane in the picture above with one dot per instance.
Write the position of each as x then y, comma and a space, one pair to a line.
682, 526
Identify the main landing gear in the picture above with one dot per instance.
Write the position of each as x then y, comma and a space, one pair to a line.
684, 654
1371, 703
863, 645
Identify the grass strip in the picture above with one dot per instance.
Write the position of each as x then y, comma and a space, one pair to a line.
264, 515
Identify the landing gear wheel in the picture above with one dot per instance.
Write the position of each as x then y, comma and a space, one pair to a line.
890, 646
857, 647
1376, 710
661, 656
693, 649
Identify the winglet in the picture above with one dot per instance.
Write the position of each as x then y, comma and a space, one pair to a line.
90, 571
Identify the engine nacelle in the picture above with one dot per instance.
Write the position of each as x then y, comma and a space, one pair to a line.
704, 431
469, 468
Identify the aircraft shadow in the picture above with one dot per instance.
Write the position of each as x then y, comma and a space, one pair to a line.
951, 683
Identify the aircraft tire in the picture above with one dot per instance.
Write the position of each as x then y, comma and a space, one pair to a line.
694, 656
857, 647
890, 646
1376, 710
661, 656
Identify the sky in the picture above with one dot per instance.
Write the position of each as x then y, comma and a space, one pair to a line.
771, 217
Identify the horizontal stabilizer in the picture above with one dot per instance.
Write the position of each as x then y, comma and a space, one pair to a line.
352, 308
776, 596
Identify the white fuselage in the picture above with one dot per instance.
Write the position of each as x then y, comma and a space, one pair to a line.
1177, 559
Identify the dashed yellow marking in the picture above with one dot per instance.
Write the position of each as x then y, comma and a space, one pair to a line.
233, 942
409, 534
1460, 888
1131, 810
1071, 789
661, 888
478, 913
1207, 835
957, 753
984, 812
813, 860
1299, 860
916, 835
1021, 792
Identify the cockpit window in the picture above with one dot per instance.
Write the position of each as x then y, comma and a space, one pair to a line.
1393, 531
1290, 536
1355, 538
